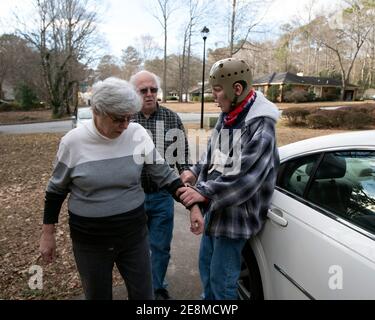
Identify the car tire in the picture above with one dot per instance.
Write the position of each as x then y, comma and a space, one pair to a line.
250, 283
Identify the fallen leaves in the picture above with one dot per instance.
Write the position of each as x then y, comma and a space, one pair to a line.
25, 167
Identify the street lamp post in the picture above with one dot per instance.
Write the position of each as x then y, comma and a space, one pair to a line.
204, 34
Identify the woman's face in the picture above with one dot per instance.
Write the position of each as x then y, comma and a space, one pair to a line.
112, 126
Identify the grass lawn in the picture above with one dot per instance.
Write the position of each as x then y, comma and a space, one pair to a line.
209, 107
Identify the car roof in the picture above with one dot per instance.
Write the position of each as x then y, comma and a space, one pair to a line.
355, 139
84, 108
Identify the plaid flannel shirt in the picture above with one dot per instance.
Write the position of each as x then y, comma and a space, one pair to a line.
239, 202
161, 126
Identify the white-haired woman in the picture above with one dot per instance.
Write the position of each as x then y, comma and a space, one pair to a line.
100, 165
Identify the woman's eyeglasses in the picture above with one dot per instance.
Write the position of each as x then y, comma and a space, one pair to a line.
121, 119
145, 90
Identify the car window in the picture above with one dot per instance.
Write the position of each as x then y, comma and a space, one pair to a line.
295, 174
344, 184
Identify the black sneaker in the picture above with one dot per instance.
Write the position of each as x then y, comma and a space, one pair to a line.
162, 294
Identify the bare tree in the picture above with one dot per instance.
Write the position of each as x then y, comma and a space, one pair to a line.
147, 47
131, 62
8, 49
108, 67
346, 37
64, 38
164, 11
245, 18
198, 11
19, 64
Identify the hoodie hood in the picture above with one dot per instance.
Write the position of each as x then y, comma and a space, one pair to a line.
262, 107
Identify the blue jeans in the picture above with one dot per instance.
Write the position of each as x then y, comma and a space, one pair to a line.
220, 266
159, 208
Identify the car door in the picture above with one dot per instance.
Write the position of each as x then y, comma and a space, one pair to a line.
319, 240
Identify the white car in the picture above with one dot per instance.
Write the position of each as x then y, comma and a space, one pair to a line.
319, 238
83, 115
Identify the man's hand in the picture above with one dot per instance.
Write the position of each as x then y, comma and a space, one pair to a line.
196, 220
188, 177
48, 243
189, 196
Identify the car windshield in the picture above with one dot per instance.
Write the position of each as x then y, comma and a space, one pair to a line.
84, 113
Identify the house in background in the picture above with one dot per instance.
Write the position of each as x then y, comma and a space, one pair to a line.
195, 93
323, 88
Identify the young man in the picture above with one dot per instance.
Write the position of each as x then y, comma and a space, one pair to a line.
236, 179
168, 134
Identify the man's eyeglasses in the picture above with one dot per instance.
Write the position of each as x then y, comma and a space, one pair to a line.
121, 119
145, 90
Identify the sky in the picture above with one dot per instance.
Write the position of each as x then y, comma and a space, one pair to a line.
122, 21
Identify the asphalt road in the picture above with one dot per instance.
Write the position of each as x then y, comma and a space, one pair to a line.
65, 126
43, 127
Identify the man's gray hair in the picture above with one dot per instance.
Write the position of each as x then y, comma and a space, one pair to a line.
133, 79
115, 96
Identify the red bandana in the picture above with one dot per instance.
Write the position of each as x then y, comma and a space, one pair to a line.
231, 117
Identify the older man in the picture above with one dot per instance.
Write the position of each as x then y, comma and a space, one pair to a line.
168, 134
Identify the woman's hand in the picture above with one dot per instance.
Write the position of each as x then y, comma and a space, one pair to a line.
196, 220
47, 246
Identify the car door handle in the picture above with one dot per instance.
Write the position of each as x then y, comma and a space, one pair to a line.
276, 216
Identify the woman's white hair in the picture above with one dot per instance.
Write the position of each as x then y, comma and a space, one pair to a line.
115, 96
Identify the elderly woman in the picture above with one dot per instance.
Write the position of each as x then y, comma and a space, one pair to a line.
100, 165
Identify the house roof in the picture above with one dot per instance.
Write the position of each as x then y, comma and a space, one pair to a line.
291, 78
207, 89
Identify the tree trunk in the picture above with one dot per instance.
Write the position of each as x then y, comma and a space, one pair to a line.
165, 65
188, 65
232, 27
343, 88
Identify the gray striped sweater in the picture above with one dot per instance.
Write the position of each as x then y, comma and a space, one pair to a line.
102, 175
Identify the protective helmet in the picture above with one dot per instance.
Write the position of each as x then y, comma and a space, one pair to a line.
227, 72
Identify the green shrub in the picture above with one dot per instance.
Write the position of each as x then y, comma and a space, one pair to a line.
212, 121
357, 120
209, 99
310, 96
288, 87
172, 98
26, 97
206, 99
9, 106
332, 97
296, 96
336, 117
296, 115
318, 120
273, 93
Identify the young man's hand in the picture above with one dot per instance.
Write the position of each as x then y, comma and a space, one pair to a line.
196, 220
188, 177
